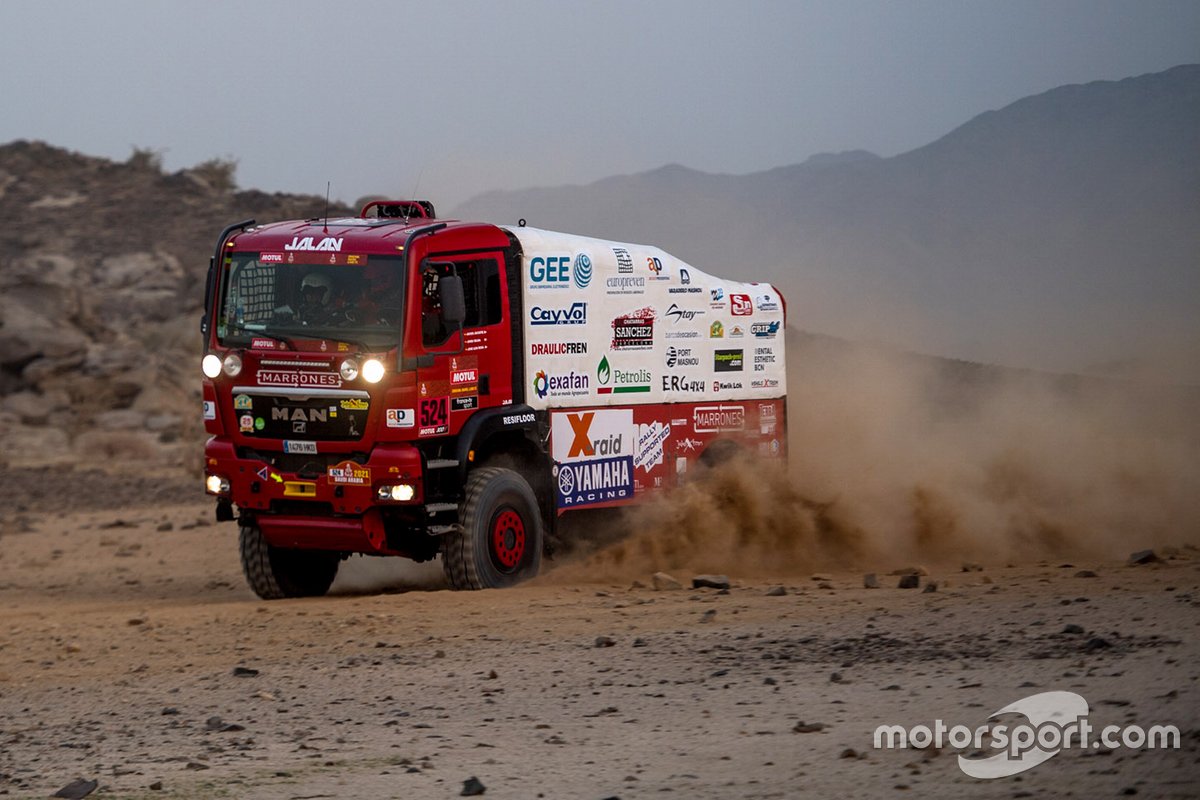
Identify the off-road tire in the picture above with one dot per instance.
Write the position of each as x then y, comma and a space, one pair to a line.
501, 540
276, 572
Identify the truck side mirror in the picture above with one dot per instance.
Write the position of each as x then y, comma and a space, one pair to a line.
454, 302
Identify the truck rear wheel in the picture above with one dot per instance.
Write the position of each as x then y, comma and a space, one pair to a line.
275, 572
501, 540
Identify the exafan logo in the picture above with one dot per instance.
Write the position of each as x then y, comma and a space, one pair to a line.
581, 271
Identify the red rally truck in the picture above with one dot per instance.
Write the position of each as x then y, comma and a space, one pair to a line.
393, 384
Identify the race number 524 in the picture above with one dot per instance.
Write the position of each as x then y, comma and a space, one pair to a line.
434, 412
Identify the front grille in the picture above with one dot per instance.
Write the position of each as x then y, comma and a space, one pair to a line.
321, 418
307, 508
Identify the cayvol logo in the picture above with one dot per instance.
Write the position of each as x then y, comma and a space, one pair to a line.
541, 384
603, 372
581, 270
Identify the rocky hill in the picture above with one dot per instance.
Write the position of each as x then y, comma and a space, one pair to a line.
102, 269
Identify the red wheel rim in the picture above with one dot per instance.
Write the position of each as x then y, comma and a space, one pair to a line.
508, 538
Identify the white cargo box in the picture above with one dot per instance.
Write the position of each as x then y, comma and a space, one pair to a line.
608, 323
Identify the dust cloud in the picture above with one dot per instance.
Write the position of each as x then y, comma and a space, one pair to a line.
898, 459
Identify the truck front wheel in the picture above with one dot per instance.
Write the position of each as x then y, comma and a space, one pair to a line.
501, 540
276, 572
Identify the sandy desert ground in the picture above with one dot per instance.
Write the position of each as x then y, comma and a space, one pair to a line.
133, 655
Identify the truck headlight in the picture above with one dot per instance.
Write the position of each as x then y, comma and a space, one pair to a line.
211, 365
349, 369
216, 484
399, 493
372, 370
233, 365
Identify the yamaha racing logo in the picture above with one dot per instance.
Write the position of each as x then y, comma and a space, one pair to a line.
593, 452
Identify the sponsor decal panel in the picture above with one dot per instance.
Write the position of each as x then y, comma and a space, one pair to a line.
718, 418
558, 349
716, 330
593, 451
766, 302
610, 380
401, 418
764, 330
677, 314
552, 384
349, 473
727, 360
680, 384
292, 377
682, 357
581, 271
658, 270
766, 419
624, 261
553, 272
763, 357
327, 244
576, 314
433, 416
625, 284
353, 404
740, 305
464, 382
243, 402
210, 409
634, 331
650, 439
519, 419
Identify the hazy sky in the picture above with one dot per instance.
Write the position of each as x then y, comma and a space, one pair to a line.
450, 99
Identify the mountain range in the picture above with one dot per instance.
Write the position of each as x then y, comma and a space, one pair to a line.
1061, 232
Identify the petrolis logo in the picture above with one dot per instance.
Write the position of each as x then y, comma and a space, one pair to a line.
1053, 722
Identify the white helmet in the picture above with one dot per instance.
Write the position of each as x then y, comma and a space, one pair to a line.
318, 280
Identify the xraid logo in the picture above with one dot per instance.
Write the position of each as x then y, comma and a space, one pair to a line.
582, 444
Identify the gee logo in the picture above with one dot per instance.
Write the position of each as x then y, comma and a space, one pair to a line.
581, 271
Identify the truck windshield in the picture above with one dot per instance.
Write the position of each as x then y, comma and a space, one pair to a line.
359, 303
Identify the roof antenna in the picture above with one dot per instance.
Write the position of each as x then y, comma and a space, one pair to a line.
326, 206
408, 209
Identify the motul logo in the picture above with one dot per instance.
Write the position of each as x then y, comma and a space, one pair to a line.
463, 376
306, 243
